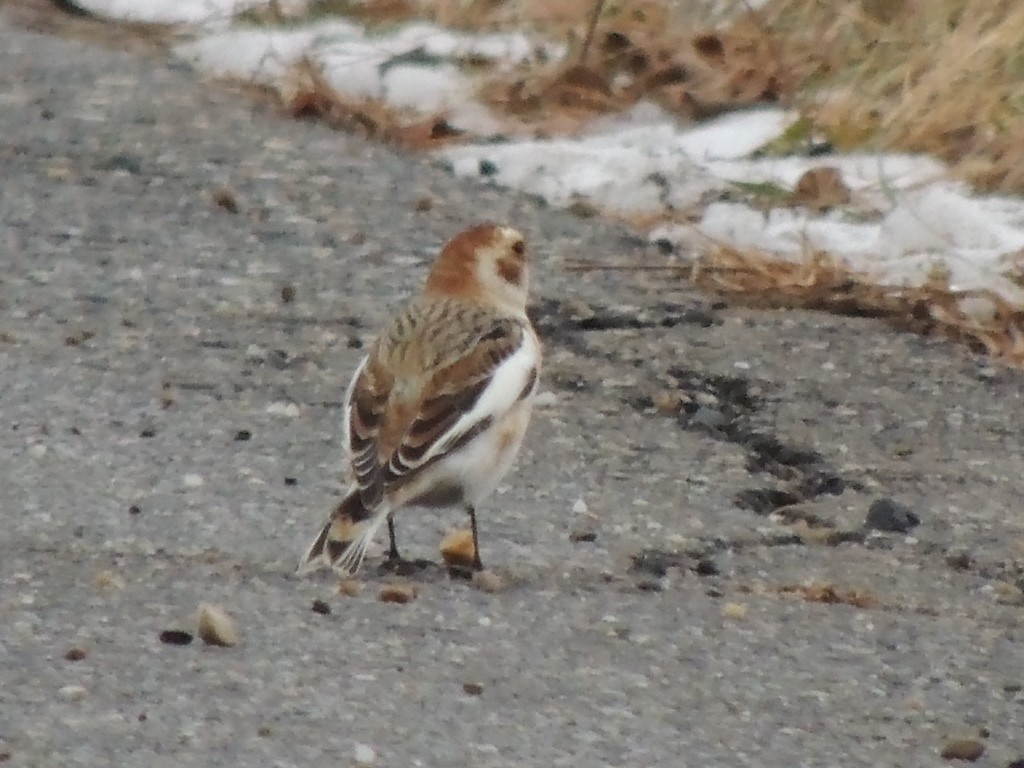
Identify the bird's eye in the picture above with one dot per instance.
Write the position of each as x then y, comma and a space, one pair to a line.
519, 248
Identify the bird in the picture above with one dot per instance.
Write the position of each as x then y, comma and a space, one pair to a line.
437, 409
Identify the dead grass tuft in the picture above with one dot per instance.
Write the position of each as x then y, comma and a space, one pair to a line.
646, 50
762, 280
945, 77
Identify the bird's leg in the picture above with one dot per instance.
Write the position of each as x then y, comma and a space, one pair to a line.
477, 564
393, 556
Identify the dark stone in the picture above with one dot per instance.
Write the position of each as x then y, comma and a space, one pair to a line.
706, 567
888, 515
175, 637
321, 607
709, 418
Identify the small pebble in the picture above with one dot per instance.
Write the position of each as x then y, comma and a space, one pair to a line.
487, 581
650, 585
582, 535
579, 507
224, 198
107, 580
72, 693
287, 293
349, 587
457, 548
321, 607
959, 561
706, 399
193, 480
397, 593
216, 627
175, 637
710, 418
243, 434
473, 689
734, 611
888, 515
1008, 593
364, 754
75, 654
289, 410
963, 749
706, 567
545, 399
668, 401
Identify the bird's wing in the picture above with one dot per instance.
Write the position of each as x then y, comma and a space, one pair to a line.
431, 387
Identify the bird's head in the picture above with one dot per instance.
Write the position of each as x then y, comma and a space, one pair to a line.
487, 263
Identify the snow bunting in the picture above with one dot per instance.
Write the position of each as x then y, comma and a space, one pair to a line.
437, 409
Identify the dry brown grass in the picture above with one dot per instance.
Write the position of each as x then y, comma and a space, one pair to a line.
643, 50
981, 320
944, 77
762, 280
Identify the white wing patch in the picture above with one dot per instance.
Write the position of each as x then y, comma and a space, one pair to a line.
346, 417
500, 394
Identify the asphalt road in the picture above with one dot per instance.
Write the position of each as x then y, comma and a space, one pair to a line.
686, 576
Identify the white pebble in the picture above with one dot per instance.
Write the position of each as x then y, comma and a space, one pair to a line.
72, 693
365, 754
580, 507
291, 410
193, 480
545, 399
38, 450
216, 627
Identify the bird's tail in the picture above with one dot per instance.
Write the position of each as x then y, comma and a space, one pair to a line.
342, 542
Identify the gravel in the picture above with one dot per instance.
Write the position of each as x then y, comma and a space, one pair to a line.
172, 368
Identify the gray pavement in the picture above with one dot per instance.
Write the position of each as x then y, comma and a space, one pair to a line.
732, 454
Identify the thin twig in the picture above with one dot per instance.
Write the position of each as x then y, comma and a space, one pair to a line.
628, 267
591, 28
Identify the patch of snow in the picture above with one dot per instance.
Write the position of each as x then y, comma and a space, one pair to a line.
635, 171
426, 88
261, 55
416, 66
734, 135
168, 11
974, 240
